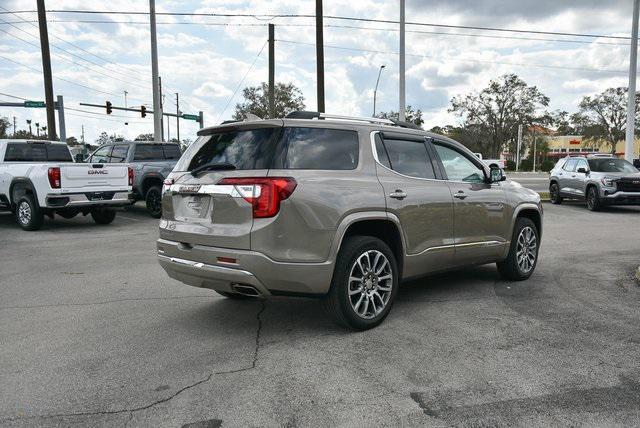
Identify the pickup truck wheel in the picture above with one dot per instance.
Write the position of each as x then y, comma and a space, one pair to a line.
593, 199
153, 198
364, 284
28, 213
554, 194
523, 253
103, 215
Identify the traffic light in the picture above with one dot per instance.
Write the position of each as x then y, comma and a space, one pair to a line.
143, 111
108, 105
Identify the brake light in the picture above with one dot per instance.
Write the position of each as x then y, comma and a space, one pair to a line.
263, 193
168, 181
130, 176
54, 177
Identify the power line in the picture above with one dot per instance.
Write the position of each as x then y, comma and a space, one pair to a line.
344, 18
13, 96
460, 60
103, 118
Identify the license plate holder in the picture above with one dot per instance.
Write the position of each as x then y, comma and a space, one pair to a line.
194, 206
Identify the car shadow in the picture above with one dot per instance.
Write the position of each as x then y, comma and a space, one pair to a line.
614, 209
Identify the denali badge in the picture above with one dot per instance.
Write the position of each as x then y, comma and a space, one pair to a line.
189, 188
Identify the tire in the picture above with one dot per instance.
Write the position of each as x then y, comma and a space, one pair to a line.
153, 199
29, 215
593, 199
103, 215
554, 194
347, 309
234, 296
525, 233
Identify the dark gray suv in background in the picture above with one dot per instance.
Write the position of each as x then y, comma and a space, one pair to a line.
338, 208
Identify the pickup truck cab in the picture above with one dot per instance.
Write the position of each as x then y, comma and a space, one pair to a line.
39, 178
491, 163
151, 163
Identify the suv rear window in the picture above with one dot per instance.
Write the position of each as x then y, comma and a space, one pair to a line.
37, 152
320, 148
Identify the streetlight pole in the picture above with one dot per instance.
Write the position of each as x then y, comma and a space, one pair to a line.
631, 103
375, 91
402, 64
155, 79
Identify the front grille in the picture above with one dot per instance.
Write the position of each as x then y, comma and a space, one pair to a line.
628, 185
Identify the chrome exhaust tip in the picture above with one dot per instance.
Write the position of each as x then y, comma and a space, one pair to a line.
246, 290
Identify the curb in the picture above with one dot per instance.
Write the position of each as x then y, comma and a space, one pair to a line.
544, 196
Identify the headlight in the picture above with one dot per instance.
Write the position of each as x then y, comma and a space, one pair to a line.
608, 182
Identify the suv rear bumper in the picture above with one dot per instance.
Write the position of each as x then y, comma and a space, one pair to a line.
199, 266
67, 200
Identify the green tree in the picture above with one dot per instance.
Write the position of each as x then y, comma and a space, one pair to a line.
4, 126
602, 118
105, 138
496, 111
288, 98
145, 137
410, 115
562, 122
72, 141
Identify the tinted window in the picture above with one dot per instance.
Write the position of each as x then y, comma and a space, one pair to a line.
570, 165
101, 155
148, 152
383, 156
249, 149
458, 167
611, 165
409, 158
317, 148
37, 152
119, 154
172, 151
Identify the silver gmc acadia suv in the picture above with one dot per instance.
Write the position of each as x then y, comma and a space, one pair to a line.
340, 208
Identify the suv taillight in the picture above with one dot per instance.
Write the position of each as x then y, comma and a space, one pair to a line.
263, 193
54, 177
130, 176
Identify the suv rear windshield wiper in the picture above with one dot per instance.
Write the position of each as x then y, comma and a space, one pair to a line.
212, 166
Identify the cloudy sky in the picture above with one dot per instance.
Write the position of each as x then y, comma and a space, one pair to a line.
205, 59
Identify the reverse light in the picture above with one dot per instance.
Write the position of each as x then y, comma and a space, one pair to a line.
263, 193
130, 176
54, 177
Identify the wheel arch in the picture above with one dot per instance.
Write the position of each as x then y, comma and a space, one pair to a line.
149, 180
21, 186
530, 211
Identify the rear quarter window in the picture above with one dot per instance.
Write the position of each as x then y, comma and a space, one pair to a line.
148, 152
320, 148
172, 151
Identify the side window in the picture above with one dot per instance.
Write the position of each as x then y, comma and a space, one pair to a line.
148, 152
582, 164
381, 152
409, 158
320, 148
101, 155
172, 151
458, 167
570, 165
119, 154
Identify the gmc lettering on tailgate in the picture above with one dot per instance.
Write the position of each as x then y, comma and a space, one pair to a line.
97, 171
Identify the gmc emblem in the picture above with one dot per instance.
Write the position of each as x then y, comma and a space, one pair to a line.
97, 171
636, 182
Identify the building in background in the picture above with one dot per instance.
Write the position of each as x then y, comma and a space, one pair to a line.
563, 145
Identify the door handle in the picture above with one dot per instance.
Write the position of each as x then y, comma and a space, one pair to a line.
573, 176
460, 194
398, 194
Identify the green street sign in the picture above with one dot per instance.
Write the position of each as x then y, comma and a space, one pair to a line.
191, 117
34, 104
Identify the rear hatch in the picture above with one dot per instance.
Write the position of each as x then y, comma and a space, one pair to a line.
82, 177
211, 196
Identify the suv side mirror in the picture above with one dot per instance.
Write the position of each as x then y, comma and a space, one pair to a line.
582, 170
497, 175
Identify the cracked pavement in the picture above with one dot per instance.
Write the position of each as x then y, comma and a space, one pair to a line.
94, 333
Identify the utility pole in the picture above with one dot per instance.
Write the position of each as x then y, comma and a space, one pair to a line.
375, 91
46, 69
272, 72
534, 149
63, 128
402, 64
320, 55
161, 106
518, 147
84, 147
155, 82
631, 102
178, 117
14, 127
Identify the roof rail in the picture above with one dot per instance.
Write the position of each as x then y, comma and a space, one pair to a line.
318, 115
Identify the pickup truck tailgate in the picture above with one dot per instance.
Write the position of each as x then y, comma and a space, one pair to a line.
83, 176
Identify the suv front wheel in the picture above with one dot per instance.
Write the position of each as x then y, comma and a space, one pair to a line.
364, 284
523, 253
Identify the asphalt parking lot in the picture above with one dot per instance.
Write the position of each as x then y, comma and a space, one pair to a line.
95, 334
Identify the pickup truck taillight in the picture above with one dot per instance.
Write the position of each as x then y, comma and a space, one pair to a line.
130, 176
263, 193
54, 177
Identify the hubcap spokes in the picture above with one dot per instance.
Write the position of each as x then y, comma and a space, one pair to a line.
370, 284
526, 249
24, 213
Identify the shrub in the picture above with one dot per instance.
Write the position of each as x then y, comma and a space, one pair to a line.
510, 165
547, 165
526, 165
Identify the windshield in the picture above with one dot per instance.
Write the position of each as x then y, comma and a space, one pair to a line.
611, 165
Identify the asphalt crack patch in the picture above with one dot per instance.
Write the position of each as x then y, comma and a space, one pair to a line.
415, 396
131, 411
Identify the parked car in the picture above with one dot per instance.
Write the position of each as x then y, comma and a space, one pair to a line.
599, 180
338, 208
151, 163
491, 163
39, 178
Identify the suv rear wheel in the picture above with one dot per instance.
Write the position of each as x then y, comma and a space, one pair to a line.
153, 199
523, 253
28, 213
364, 284
554, 194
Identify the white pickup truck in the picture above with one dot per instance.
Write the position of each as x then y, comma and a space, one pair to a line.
491, 162
39, 178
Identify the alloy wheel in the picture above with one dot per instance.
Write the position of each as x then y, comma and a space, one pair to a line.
24, 212
526, 250
370, 284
